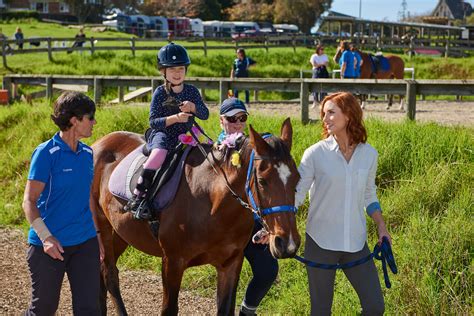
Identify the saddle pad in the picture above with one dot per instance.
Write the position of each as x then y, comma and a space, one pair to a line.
124, 177
379, 63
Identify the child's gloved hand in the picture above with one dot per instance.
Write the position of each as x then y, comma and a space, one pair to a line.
188, 107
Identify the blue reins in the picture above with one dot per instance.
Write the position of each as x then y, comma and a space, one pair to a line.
381, 252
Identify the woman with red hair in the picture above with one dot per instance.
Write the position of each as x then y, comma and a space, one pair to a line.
339, 173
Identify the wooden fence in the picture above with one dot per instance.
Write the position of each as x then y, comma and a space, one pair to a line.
409, 88
52, 45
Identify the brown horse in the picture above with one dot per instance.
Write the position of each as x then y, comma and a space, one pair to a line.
204, 224
396, 71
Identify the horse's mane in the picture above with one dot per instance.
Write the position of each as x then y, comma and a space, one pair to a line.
278, 151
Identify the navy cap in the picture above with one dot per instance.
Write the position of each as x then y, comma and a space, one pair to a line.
232, 106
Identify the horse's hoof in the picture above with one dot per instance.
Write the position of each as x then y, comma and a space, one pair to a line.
388, 107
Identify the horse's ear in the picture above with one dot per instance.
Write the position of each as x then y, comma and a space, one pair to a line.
286, 134
258, 143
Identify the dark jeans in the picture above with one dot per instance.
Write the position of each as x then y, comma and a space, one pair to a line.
247, 95
264, 269
82, 265
320, 72
364, 279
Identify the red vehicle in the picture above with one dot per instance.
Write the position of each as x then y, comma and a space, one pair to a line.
179, 26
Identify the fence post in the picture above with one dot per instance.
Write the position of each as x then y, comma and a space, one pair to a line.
7, 85
304, 102
446, 49
133, 46
410, 48
266, 42
154, 84
92, 45
120, 94
50, 53
49, 88
411, 99
204, 45
4, 53
293, 41
223, 90
203, 94
97, 90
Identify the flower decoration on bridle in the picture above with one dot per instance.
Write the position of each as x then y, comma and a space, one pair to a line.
188, 139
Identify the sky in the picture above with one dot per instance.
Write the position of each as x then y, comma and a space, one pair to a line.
385, 9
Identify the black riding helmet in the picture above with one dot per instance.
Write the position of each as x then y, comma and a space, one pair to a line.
173, 55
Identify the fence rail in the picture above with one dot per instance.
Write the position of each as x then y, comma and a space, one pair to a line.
62, 44
408, 88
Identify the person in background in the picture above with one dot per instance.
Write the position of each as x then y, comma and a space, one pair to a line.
172, 110
233, 118
357, 61
339, 173
63, 236
19, 38
347, 62
240, 69
79, 41
319, 61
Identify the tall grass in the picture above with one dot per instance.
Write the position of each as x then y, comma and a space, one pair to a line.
425, 182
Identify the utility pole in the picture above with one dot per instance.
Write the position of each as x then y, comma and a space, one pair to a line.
360, 9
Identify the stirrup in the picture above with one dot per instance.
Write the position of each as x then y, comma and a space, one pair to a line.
142, 209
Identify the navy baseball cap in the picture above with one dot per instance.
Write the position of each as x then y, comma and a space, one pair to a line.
232, 106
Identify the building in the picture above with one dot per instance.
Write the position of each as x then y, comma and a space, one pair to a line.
452, 9
42, 6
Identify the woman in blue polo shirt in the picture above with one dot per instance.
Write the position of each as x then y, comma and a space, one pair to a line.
63, 234
240, 69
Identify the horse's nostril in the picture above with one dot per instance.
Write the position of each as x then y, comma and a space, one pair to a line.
280, 243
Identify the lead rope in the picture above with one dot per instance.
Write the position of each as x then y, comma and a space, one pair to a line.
381, 252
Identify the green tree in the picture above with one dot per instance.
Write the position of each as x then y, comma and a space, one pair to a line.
251, 10
87, 10
303, 13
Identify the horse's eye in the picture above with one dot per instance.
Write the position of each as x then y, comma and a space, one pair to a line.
262, 181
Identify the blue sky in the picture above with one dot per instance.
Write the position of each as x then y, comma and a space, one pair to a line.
384, 9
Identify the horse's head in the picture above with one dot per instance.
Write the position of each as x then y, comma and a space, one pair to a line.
272, 183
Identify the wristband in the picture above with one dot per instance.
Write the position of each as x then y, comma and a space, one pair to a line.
40, 228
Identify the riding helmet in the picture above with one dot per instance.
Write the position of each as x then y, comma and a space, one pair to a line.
173, 55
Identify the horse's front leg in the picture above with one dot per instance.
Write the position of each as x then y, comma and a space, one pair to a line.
227, 281
172, 275
402, 107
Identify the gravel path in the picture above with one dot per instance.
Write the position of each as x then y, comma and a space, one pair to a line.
141, 290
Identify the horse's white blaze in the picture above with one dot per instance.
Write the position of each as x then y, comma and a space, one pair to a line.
283, 172
291, 244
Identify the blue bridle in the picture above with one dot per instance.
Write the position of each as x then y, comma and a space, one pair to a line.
258, 213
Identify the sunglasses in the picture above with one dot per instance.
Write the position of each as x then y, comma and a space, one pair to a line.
234, 119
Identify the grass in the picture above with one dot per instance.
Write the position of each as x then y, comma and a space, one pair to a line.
425, 179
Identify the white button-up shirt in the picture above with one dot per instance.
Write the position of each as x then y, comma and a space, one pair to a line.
338, 193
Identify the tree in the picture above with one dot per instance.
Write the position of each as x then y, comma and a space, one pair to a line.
87, 10
303, 13
251, 10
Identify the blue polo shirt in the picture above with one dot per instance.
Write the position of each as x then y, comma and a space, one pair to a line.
348, 58
64, 202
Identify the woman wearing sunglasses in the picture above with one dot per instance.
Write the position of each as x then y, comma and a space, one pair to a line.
233, 118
